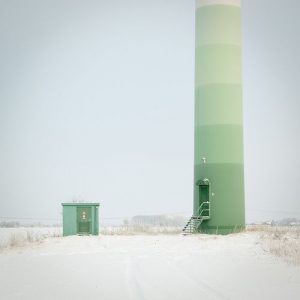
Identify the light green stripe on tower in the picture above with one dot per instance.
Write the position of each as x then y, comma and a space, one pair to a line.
218, 114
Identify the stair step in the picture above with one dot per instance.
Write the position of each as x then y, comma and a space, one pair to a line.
195, 221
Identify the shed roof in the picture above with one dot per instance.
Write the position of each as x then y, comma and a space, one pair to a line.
80, 204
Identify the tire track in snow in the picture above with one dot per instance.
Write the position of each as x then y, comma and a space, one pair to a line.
215, 293
153, 286
134, 288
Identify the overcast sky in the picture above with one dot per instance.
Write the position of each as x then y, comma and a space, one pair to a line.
97, 98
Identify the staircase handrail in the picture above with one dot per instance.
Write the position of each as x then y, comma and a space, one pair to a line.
198, 216
200, 207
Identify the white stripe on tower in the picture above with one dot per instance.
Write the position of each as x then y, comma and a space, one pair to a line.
200, 3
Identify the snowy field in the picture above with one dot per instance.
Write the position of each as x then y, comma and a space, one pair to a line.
172, 266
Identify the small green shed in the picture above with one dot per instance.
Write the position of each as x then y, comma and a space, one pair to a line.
80, 218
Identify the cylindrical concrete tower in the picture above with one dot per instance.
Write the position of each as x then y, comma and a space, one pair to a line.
219, 168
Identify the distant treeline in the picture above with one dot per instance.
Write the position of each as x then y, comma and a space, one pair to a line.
158, 220
15, 224
9, 224
286, 222
282, 222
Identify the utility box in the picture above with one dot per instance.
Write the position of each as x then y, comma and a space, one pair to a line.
80, 218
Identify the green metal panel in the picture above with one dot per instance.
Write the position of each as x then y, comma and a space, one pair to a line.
80, 218
69, 220
218, 115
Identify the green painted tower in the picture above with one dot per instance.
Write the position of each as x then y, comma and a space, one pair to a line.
219, 167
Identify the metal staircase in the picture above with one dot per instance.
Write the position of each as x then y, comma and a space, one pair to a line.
203, 213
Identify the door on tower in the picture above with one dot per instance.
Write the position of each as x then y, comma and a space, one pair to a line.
83, 220
203, 204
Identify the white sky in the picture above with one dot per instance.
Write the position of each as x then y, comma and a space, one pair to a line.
96, 103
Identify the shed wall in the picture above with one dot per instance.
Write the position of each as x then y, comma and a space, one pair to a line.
69, 220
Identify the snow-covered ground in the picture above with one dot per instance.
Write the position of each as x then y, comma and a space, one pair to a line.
146, 267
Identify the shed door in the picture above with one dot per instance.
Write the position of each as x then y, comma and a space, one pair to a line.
84, 220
